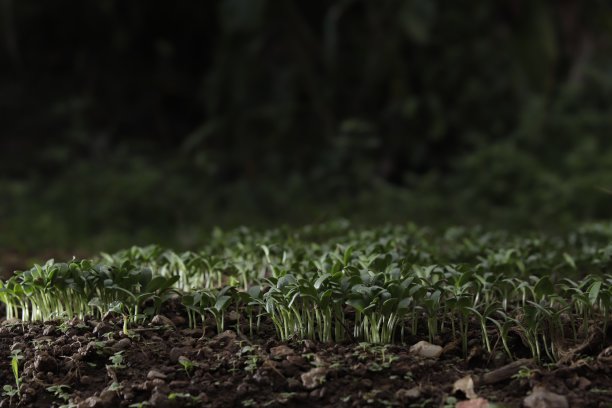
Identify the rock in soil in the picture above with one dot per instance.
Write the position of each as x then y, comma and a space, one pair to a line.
122, 345
425, 349
162, 320
542, 398
153, 374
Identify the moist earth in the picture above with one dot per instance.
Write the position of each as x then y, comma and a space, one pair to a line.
164, 363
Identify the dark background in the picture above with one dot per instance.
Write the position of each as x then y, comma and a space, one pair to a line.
130, 122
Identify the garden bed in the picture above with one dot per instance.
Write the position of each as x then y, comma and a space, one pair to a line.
325, 316
93, 364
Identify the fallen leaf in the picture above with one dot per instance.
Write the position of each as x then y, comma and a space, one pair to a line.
465, 385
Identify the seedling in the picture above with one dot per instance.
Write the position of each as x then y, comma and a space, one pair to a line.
60, 391
115, 386
523, 373
187, 364
117, 360
331, 283
183, 396
15, 357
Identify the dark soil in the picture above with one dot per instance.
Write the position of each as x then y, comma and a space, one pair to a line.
166, 364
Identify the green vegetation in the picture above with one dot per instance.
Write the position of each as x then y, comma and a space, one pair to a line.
331, 283
8, 389
411, 109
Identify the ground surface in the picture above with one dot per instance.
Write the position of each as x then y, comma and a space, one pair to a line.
166, 364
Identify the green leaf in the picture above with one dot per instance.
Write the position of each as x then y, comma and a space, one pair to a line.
221, 302
544, 287
568, 258
594, 292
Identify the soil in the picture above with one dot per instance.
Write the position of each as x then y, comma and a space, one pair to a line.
166, 364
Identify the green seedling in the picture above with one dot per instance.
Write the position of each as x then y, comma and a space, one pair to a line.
140, 404
15, 357
331, 283
115, 386
117, 360
187, 365
60, 391
524, 373
173, 396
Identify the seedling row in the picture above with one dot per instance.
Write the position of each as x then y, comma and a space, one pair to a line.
332, 283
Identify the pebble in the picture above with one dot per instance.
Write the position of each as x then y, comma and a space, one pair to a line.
153, 374
425, 349
122, 345
162, 320
540, 397
177, 352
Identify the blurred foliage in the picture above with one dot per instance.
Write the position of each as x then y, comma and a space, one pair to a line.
140, 121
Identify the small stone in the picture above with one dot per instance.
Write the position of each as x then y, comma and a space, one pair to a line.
297, 360
122, 345
281, 351
49, 330
542, 398
156, 382
162, 320
425, 349
314, 378
153, 374
177, 352
226, 335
